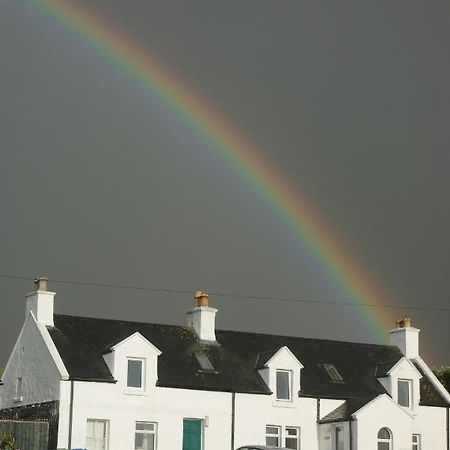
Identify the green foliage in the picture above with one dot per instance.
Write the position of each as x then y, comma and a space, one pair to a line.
443, 375
7, 442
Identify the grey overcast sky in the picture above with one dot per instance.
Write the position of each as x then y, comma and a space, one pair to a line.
349, 101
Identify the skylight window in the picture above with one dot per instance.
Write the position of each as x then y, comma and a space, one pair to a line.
333, 373
204, 362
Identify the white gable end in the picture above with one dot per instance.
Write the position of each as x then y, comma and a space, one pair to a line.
34, 369
134, 348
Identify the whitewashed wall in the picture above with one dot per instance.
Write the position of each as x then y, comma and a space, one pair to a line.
165, 406
383, 412
254, 412
32, 361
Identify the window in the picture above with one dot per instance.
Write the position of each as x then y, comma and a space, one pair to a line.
416, 442
97, 434
384, 439
404, 392
284, 384
145, 436
333, 373
289, 436
292, 438
204, 362
273, 435
339, 438
135, 377
19, 391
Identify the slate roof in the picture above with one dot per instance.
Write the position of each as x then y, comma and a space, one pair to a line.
345, 411
82, 342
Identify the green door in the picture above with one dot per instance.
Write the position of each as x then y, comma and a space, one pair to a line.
192, 434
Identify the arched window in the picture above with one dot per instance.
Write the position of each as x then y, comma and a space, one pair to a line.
384, 439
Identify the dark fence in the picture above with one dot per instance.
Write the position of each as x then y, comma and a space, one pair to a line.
28, 435
40, 415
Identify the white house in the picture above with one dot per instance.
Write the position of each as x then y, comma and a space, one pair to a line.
118, 385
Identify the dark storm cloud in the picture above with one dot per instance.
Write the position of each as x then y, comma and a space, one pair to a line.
349, 101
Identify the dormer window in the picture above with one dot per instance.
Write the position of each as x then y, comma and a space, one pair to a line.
333, 373
284, 385
404, 388
135, 373
204, 362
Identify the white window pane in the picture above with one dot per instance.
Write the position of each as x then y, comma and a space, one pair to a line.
149, 442
283, 387
95, 444
90, 428
99, 429
134, 378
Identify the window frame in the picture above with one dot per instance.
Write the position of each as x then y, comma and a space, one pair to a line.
19, 390
409, 382
287, 436
417, 445
204, 362
143, 371
290, 396
383, 440
105, 438
272, 435
154, 432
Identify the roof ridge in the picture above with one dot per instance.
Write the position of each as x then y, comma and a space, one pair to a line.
366, 344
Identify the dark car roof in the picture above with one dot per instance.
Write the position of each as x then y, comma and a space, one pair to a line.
83, 341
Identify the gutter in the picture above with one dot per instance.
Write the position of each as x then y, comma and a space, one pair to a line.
350, 432
233, 418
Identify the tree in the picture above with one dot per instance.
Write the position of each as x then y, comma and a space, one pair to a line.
443, 375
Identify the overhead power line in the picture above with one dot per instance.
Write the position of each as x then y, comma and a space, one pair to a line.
229, 295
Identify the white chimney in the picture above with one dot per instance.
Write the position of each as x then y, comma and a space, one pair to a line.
40, 302
203, 318
405, 337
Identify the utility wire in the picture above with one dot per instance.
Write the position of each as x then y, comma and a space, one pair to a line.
229, 295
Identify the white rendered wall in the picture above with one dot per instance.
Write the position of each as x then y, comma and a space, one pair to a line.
165, 406
254, 412
380, 413
32, 361
327, 435
429, 422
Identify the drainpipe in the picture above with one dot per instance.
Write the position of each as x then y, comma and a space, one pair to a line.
70, 414
233, 417
350, 432
448, 430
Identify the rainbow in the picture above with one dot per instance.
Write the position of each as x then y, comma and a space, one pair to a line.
294, 211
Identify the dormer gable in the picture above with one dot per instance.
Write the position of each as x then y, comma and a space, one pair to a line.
280, 369
133, 362
402, 382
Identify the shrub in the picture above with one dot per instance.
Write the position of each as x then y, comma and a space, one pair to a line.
7, 442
